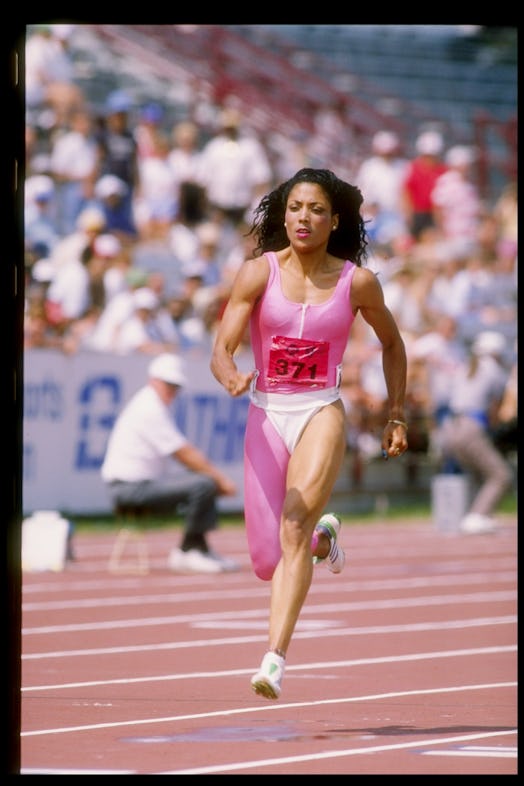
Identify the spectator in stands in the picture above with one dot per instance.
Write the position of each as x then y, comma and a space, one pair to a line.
234, 170
333, 138
476, 392
77, 335
381, 177
115, 277
50, 88
184, 155
73, 161
209, 255
421, 175
448, 290
180, 307
117, 152
150, 462
457, 207
404, 298
156, 200
183, 236
490, 297
143, 331
111, 197
148, 130
433, 360
116, 311
79, 284
441, 354
39, 333
40, 224
89, 224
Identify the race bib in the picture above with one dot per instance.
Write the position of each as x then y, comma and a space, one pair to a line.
298, 361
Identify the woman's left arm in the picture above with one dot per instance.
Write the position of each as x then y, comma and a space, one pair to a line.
368, 298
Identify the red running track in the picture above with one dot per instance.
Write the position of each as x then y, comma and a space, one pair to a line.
406, 663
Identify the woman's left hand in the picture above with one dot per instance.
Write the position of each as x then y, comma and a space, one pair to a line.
394, 440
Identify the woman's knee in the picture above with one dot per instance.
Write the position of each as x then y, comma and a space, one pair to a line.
264, 551
263, 568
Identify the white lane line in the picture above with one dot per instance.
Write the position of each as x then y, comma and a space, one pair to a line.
228, 641
226, 768
292, 705
322, 608
337, 664
481, 751
178, 596
490, 752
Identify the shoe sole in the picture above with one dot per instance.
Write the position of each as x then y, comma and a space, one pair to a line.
334, 530
264, 688
340, 568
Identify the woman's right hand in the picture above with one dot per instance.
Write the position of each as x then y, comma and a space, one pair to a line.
238, 383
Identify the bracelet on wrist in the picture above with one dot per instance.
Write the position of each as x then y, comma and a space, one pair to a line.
398, 423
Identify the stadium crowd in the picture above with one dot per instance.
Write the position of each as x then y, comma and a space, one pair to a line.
134, 230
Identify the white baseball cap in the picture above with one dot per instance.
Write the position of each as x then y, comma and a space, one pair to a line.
489, 342
430, 143
110, 185
460, 156
108, 246
145, 298
385, 142
168, 368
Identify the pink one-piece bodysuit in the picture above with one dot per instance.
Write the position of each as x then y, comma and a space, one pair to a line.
298, 350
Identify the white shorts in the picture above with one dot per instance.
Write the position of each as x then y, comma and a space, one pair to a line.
290, 413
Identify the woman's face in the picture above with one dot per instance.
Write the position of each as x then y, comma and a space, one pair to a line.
308, 217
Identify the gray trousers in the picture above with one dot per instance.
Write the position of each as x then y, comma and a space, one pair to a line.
465, 440
191, 494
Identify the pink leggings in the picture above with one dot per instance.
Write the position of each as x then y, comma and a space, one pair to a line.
266, 459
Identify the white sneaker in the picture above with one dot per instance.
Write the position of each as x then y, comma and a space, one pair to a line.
329, 524
193, 561
267, 681
477, 524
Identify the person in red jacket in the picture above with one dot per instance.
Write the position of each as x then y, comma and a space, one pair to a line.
421, 175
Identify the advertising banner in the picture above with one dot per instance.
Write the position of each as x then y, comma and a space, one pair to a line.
71, 403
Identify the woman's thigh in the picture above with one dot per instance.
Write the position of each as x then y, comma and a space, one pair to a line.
316, 461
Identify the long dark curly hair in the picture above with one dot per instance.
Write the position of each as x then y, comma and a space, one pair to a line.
348, 241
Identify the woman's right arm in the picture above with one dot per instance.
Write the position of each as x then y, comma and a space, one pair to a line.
249, 284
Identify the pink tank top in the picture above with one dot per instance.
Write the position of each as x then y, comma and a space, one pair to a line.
299, 347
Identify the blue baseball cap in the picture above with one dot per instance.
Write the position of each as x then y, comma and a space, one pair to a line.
118, 101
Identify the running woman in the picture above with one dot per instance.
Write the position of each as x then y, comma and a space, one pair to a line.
299, 297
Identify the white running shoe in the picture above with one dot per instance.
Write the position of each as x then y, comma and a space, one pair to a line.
476, 524
329, 524
267, 681
194, 561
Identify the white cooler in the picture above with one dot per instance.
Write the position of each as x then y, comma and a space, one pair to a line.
450, 500
44, 541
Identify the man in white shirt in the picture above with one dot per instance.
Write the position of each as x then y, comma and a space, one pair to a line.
144, 448
234, 170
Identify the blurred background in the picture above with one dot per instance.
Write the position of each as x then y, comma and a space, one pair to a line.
147, 148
